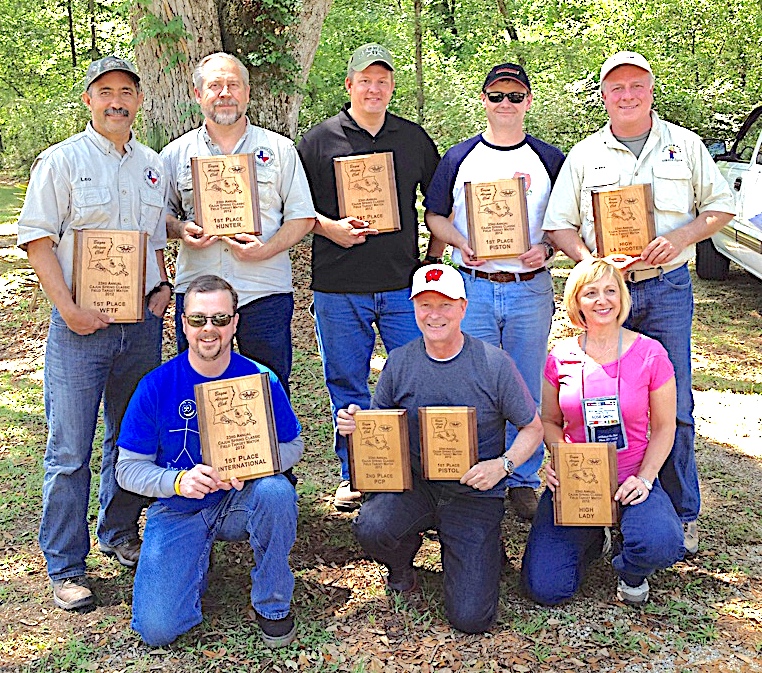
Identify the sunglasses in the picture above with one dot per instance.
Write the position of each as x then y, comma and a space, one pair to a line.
199, 320
512, 96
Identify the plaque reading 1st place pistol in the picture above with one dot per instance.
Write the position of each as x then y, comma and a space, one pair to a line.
379, 452
237, 427
449, 443
109, 272
624, 220
225, 194
367, 190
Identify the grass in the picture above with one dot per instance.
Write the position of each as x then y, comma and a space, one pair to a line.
10, 202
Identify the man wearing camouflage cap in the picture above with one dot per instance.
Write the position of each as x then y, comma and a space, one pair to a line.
101, 178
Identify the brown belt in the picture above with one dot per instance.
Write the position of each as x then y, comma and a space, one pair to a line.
502, 276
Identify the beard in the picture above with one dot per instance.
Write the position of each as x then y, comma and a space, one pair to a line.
224, 115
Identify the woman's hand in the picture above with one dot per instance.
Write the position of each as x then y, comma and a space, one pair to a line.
632, 491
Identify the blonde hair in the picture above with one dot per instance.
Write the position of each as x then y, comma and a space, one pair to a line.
586, 272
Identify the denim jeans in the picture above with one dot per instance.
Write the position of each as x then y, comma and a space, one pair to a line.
662, 308
174, 561
263, 334
389, 526
515, 317
79, 372
344, 326
556, 557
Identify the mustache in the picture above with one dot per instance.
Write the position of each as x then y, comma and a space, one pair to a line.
117, 112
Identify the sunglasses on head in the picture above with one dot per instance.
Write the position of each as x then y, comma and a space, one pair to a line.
199, 320
512, 96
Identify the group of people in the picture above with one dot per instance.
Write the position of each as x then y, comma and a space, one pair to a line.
474, 334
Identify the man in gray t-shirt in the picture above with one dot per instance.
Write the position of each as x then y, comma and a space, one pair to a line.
449, 368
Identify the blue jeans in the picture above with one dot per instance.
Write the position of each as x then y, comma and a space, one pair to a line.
344, 326
515, 317
662, 308
174, 561
79, 372
263, 334
389, 526
556, 557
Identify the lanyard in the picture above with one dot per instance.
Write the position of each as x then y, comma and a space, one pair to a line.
618, 363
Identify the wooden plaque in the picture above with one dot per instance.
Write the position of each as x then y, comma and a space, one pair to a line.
379, 452
109, 272
237, 427
367, 189
624, 220
587, 474
496, 212
225, 194
449, 444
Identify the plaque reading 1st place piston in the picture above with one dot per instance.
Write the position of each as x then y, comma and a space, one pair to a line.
379, 452
624, 220
496, 213
237, 427
367, 190
449, 443
109, 272
225, 194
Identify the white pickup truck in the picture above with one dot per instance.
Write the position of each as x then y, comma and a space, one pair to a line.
741, 240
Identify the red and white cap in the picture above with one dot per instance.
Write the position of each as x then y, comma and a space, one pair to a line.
438, 278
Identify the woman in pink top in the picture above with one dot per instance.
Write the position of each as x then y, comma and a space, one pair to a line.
633, 375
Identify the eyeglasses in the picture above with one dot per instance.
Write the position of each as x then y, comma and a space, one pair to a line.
199, 320
512, 96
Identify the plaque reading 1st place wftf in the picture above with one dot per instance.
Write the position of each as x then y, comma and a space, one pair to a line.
379, 452
237, 427
367, 190
496, 212
624, 220
449, 443
109, 272
225, 194
587, 475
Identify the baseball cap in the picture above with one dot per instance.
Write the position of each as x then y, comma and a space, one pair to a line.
507, 71
438, 278
369, 54
624, 58
107, 64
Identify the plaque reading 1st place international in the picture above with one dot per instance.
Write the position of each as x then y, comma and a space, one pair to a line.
449, 443
367, 190
237, 427
496, 213
624, 220
379, 452
587, 475
225, 194
109, 272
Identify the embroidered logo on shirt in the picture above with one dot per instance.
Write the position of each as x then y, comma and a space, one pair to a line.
672, 153
263, 156
152, 177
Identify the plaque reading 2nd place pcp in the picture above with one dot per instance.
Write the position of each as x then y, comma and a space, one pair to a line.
379, 452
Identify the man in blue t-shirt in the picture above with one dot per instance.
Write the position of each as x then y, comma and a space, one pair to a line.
160, 457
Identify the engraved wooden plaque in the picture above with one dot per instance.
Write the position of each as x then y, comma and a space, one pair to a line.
449, 444
587, 474
624, 220
109, 272
379, 452
237, 427
496, 212
367, 189
225, 194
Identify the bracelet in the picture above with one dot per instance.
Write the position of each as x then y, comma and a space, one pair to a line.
647, 483
178, 478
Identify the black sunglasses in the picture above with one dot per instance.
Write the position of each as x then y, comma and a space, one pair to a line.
512, 96
199, 320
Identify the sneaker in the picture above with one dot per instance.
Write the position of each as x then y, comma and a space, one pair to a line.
524, 501
126, 553
403, 581
632, 595
606, 546
276, 632
690, 538
72, 593
346, 500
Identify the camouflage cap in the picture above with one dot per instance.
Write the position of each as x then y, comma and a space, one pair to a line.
369, 54
107, 64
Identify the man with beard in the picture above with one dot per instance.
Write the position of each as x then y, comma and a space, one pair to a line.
258, 267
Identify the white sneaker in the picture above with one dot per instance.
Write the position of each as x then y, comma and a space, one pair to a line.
690, 538
632, 595
606, 546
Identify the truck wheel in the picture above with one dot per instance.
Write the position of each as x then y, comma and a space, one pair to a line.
710, 264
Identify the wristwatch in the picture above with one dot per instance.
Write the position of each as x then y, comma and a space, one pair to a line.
508, 465
549, 250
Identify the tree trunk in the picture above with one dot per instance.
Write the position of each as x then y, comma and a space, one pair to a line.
419, 62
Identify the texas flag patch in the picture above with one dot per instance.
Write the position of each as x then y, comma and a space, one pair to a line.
263, 156
152, 178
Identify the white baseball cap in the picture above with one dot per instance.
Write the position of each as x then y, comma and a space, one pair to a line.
438, 278
624, 58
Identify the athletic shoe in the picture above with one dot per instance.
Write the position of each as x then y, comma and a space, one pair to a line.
126, 553
72, 593
276, 632
346, 500
690, 538
632, 595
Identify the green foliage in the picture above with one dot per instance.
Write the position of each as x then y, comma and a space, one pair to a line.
167, 34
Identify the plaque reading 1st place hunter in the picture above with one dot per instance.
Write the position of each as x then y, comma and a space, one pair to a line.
379, 452
225, 194
624, 220
367, 189
237, 427
496, 213
109, 272
449, 443
587, 475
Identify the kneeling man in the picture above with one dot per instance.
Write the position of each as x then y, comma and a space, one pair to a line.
160, 457
449, 368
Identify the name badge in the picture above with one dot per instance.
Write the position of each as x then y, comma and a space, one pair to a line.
603, 421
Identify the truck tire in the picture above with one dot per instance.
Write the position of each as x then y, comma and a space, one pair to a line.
710, 264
